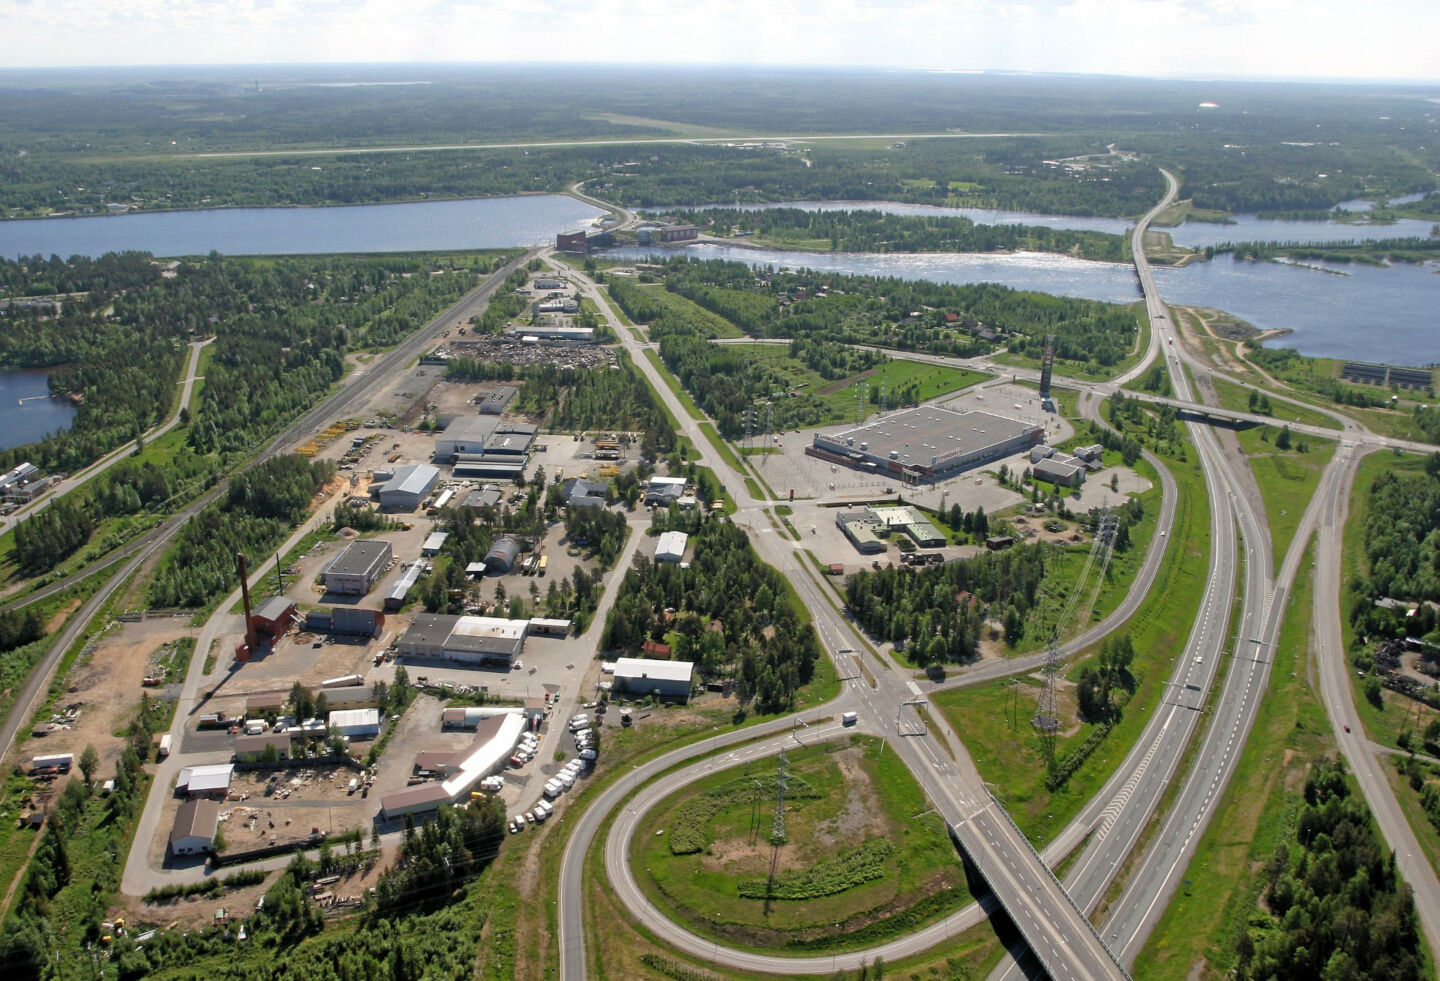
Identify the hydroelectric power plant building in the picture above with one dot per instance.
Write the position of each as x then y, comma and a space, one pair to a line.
926, 444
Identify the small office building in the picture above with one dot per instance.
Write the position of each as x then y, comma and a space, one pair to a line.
667, 679
252, 749
194, 828
357, 569
410, 485
671, 546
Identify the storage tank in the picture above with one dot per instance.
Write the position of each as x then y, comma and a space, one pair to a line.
502, 555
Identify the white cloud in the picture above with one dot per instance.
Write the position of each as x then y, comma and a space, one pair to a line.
1324, 38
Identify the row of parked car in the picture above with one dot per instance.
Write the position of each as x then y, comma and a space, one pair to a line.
562, 781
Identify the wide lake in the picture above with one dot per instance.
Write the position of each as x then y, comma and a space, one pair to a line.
37, 416
428, 226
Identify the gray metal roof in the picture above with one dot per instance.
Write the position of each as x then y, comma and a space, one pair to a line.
414, 479
930, 431
470, 429
360, 557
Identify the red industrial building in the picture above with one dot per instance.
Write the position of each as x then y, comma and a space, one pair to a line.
574, 242
274, 618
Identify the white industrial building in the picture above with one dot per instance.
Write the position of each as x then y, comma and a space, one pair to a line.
357, 568
495, 740
198, 781
465, 434
410, 485
470, 640
434, 542
668, 679
671, 546
194, 829
664, 491
355, 723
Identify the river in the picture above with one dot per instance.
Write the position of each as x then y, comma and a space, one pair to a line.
37, 416
1360, 312
1191, 234
1355, 311
428, 226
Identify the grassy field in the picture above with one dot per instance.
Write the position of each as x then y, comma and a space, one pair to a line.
1287, 480
1074, 369
1237, 398
1195, 939
705, 855
674, 305
995, 719
839, 395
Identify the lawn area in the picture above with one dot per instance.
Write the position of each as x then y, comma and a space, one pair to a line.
995, 719
1224, 880
862, 850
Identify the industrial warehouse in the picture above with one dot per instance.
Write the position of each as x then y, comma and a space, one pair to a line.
926, 444
473, 640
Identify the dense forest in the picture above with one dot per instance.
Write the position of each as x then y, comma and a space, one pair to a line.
875, 231
116, 347
1375, 252
937, 613
1335, 905
259, 508
726, 382
762, 645
77, 140
908, 315
1401, 542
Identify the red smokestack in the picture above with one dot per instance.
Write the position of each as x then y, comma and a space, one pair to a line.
245, 592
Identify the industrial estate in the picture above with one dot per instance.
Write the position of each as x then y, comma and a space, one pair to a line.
630, 614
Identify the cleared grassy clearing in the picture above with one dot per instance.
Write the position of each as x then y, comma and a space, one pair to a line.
841, 799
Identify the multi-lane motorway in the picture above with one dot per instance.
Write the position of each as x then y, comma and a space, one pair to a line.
1117, 817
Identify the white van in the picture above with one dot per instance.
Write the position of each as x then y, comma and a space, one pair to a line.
849, 718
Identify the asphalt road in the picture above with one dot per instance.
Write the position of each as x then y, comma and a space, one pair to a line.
1413, 863
1064, 940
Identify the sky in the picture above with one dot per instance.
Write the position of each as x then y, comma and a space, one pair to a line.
1386, 39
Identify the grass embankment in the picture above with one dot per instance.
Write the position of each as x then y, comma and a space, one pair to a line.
1196, 936
863, 851
673, 383
1237, 398
996, 718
